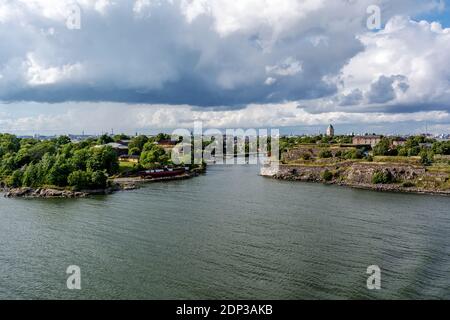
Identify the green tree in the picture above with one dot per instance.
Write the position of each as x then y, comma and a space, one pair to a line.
59, 172
149, 146
353, 154
426, 157
37, 151
44, 167
62, 140
138, 143
162, 136
8, 144
383, 148
134, 151
33, 163
120, 137
15, 179
8, 164
79, 180
153, 156
105, 139
442, 148
80, 159
99, 180
103, 158
30, 176
413, 151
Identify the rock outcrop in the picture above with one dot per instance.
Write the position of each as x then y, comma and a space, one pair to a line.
405, 177
43, 193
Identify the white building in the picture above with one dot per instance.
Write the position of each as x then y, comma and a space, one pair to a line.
330, 131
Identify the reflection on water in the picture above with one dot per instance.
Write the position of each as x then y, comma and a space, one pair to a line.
227, 234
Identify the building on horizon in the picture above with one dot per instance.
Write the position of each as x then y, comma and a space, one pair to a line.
371, 140
330, 131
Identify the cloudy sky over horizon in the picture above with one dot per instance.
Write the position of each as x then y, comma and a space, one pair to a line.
141, 65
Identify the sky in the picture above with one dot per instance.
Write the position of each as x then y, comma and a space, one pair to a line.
157, 65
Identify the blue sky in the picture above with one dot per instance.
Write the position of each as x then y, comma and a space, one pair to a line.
156, 65
441, 16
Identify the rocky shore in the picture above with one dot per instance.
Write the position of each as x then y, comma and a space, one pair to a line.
42, 193
131, 183
117, 184
395, 188
406, 178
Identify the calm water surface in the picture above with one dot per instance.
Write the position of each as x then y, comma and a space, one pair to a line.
227, 234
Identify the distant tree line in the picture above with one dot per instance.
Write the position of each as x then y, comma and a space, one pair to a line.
421, 146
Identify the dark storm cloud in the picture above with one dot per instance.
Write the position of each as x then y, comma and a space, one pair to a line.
157, 56
178, 52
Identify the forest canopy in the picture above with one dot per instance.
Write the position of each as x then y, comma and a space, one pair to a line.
58, 162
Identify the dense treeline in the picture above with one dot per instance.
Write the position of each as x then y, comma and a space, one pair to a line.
287, 143
421, 146
57, 162
150, 154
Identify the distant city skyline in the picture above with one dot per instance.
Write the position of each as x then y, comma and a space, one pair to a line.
310, 130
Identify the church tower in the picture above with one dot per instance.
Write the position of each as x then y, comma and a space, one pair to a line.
330, 131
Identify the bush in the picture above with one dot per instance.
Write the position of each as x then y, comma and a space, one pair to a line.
306, 156
105, 139
59, 173
442, 147
426, 158
80, 180
414, 151
138, 143
99, 180
403, 152
384, 148
324, 154
153, 155
104, 158
327, 175
382, 177
353, 154
134, 151
408, 184
15, 180
30, 176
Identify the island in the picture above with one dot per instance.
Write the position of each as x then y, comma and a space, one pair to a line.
63, 167
416, 164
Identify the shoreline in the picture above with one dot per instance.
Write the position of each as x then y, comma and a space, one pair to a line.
118, 184
391, 188
396, 189
355, 176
